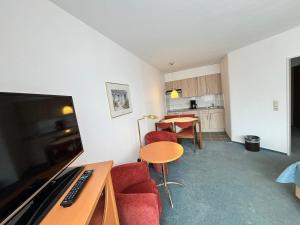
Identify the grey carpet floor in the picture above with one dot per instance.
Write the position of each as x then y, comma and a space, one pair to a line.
227, 185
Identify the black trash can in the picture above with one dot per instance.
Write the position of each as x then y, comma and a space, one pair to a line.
252, 143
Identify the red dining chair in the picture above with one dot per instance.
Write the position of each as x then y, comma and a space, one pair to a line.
161, 126
188, 131
188, 115
172, 116
155, 136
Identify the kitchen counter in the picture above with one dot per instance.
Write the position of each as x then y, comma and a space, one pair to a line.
188, 109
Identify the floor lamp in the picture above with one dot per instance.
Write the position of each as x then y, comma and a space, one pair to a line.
152, 117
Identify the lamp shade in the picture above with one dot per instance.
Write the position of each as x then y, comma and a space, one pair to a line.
174, 94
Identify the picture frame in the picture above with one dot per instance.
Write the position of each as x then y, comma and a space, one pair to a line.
119, 99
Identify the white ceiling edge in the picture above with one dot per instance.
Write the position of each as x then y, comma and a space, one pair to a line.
191, 33
193, 72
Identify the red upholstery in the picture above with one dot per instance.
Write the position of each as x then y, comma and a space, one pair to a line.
188, 115
171, 116
164, 126
138, 209
137, 197
188, 130
155, 136
184, 125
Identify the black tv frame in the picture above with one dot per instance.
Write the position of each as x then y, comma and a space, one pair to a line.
8, 220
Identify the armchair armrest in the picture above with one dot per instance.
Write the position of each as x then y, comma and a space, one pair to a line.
129, 174
138, 209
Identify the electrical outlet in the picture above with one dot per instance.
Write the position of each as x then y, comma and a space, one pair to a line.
275, 105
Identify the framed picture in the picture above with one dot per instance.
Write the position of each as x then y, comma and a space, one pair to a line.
118, 98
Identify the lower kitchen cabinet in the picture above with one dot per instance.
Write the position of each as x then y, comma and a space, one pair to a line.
212, 120
204, 119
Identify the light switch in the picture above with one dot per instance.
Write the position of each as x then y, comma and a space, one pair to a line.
275, 105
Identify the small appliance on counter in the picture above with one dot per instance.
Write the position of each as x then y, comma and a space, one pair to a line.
193, 104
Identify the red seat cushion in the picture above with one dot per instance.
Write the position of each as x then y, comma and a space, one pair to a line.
155, 136
185, 133
138, 209
148, 186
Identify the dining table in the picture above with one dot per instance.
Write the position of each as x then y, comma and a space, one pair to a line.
194, 120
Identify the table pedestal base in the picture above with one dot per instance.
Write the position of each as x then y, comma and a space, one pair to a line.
165, 184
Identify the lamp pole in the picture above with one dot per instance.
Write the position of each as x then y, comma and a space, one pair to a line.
139, 128
151, 116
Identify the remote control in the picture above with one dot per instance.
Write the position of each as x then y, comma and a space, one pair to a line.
76, 189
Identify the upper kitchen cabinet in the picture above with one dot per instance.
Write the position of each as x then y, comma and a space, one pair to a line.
171, 85
168, 86
201, 86
213, 84
189, 87
197, 86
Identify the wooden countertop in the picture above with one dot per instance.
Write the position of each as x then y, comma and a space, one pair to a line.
198, 109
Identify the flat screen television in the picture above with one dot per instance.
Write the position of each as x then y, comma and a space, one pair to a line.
39, 138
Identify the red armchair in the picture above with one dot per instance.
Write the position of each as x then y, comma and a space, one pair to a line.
137, 197
155, 136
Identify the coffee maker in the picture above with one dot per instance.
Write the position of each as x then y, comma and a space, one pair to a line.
193, 104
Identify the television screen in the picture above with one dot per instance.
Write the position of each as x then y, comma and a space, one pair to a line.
39, 137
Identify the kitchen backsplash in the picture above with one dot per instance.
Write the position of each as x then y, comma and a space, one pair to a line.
202, 101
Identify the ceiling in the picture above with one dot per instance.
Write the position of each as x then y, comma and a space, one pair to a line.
190, 33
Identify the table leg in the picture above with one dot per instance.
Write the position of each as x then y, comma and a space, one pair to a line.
200, 140
165, 183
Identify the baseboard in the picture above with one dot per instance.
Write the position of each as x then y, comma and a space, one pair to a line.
261, 148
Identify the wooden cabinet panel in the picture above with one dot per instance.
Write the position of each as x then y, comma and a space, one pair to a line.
168, 86
189, 87
213, 84
204, 120
212, 120
177, 84
171, 85
197, 86
216, 120
201, 86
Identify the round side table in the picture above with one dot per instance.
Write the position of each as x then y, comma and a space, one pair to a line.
162, 152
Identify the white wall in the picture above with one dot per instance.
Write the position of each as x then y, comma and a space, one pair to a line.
46, 50
226, 94
258, 75
194, 72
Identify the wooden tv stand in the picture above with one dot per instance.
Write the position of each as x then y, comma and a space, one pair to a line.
82, 210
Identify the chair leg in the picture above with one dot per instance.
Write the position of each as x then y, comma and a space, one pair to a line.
200, 140
195, 137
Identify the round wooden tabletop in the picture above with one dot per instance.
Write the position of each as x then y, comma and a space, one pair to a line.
180, 119
161, 152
